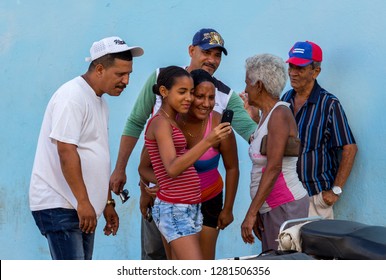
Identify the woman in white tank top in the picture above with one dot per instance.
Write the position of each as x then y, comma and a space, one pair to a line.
276, 192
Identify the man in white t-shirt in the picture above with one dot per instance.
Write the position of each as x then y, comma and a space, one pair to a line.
69, 187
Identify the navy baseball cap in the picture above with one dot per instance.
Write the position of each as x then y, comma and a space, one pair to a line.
208, 38
304, 53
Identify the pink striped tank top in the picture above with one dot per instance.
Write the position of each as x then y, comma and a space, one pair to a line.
185, 188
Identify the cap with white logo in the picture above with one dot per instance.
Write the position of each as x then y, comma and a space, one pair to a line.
111, 45
304, 53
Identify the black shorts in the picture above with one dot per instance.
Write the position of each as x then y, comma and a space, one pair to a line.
211, 209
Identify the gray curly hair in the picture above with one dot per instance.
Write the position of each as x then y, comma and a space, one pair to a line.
270, 70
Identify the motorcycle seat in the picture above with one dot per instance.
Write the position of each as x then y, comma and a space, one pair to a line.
341, 239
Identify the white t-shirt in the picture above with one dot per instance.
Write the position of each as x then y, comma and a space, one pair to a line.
74, 115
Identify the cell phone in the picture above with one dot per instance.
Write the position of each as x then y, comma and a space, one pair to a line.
227, 116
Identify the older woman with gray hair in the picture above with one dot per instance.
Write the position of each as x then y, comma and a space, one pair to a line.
276, 192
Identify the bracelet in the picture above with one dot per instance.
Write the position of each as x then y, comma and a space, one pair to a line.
110, 202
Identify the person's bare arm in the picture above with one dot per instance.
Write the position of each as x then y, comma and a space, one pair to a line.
145, 168
71, 168
345, 166
112, 219
228, 150
147, 175
118, 177
174, 165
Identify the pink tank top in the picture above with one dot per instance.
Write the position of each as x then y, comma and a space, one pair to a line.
207, 169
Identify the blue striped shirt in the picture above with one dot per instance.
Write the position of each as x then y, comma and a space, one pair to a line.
323, 130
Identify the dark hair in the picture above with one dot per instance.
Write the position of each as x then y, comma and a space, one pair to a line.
108, 59
199, 76
316, 64
167, 77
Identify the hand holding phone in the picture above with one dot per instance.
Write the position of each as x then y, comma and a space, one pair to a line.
223, 130
227, 116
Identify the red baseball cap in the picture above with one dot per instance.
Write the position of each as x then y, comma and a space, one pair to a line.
304, 53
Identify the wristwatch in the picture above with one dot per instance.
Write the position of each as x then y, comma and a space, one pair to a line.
337, 190
110, 202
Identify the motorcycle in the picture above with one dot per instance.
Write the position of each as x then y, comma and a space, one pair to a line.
321, 239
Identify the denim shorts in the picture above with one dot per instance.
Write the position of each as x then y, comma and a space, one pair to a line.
65, 239
176, 220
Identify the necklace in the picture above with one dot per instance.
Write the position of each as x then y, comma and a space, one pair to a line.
170, 120
189, 133
165, 113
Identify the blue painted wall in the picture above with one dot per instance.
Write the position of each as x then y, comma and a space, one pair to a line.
43, 44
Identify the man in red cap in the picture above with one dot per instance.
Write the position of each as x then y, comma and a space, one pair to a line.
323, 129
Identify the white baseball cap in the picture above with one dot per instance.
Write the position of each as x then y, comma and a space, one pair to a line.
111, 45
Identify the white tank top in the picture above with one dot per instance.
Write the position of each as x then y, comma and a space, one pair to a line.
287, 187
